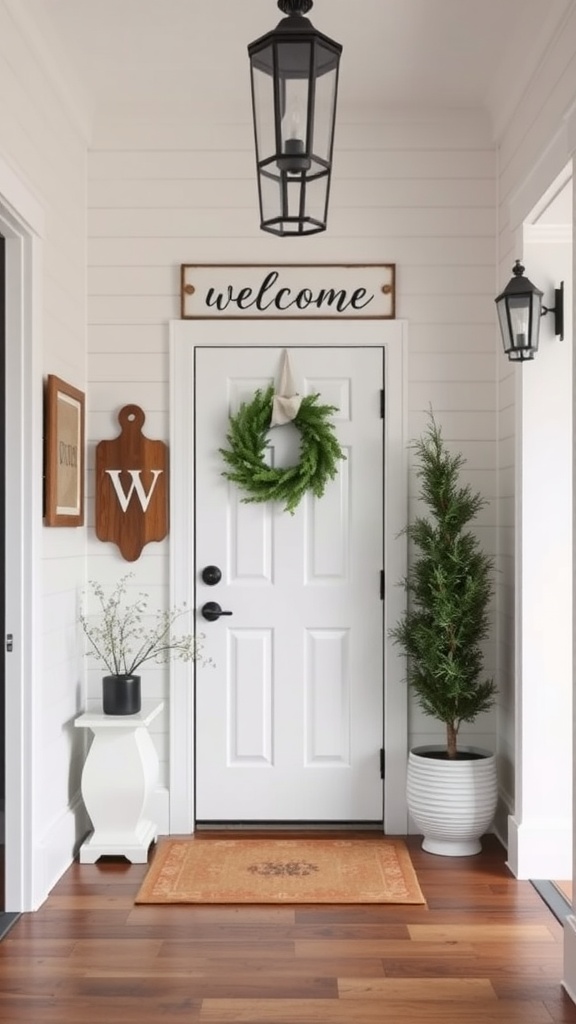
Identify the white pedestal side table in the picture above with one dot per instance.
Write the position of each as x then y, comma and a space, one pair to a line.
119, 773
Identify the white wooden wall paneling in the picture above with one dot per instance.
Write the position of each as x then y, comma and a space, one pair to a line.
118, 165
418, 249
233, 221
177, 132
48, 153
420, 193
195, 191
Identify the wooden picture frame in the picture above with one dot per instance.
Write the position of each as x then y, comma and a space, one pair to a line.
64, 454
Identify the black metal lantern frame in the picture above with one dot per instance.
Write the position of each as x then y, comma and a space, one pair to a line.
294, 77
520, 310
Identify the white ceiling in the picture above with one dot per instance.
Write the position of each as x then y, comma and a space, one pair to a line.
398, 54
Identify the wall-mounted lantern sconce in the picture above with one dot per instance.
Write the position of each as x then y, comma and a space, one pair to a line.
294, 75
519, 311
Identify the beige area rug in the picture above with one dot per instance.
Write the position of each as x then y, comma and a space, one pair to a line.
281, 871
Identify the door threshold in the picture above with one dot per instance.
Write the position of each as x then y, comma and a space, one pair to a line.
6, 922
554, 899
291, 826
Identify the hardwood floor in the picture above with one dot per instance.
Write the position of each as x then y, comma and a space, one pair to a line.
485, 949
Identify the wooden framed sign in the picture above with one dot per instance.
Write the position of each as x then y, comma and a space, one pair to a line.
64, 454
227, 291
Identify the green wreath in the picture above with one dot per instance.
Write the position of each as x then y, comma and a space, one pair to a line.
247, 436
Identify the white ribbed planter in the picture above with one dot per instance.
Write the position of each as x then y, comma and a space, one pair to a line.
453, 803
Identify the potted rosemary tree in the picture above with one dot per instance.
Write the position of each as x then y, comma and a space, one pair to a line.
123, 637
452, 791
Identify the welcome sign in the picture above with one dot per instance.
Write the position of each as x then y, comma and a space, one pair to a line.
227, 291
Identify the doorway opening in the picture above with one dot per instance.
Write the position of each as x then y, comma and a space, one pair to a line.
3, 570
6, 919
548, 246
21, 228
541, 832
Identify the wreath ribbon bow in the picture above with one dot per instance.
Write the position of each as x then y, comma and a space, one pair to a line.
285, 401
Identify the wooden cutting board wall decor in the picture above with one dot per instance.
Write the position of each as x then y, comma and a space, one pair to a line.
131, 487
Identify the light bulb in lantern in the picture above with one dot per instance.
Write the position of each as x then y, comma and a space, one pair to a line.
293, 159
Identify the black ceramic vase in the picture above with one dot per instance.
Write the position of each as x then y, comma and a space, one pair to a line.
121, 695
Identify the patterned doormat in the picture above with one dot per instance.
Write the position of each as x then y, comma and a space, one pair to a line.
200, 870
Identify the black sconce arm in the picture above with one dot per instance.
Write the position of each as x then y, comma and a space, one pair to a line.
558, 310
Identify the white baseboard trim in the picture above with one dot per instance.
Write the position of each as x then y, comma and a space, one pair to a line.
569, 978
540, 849
501, 818
159, 809
56, 850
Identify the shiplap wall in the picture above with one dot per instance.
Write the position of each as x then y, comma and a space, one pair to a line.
419, 192
46, 149
532, 152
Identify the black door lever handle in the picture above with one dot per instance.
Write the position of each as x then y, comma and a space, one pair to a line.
212, 611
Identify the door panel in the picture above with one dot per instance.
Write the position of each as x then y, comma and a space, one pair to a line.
289, 716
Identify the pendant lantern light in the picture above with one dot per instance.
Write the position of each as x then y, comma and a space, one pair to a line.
294, 76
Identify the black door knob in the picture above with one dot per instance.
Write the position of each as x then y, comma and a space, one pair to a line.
212, 611
211, 575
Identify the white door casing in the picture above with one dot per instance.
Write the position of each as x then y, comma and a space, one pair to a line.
289, 713
22, 224
184, 338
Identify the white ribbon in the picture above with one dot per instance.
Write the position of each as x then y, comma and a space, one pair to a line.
285, 403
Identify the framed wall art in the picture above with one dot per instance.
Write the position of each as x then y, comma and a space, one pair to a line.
64, 454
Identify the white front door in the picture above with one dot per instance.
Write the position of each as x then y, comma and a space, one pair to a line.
289, 717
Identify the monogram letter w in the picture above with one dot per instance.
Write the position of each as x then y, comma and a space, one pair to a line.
135, 487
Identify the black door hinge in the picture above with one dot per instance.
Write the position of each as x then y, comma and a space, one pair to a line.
382, 404
9, 642
382, 763
381, 584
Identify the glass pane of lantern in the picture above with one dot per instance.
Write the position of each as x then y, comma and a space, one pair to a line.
317, 198
263, 96
519, 311
314, 194
295, 192
504, 325
293, 71
535, 319
270, 197
324, 114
